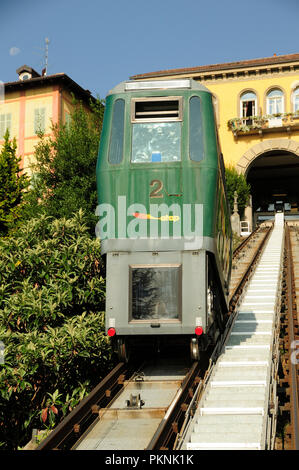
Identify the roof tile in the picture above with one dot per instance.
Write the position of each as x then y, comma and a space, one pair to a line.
225, 66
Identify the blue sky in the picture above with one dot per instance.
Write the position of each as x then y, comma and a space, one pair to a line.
101, 43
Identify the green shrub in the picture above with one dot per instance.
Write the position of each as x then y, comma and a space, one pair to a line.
52, 293
237, 182
13, 183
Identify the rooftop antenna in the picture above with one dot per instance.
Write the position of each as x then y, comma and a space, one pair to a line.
45, 69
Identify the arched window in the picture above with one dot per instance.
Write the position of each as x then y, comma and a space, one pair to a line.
248, 106
296, 100
275, 101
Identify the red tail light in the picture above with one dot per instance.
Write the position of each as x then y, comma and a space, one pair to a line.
198, 330
111, 332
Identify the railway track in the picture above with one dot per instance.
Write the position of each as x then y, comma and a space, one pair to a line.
245, 257
164, 401
141, 401
288, 420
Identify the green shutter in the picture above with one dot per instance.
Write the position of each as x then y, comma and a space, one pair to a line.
39, 120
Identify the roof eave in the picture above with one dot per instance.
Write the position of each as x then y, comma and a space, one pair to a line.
39, 81
275, 60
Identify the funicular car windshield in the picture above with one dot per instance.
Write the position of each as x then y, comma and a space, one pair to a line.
156, 129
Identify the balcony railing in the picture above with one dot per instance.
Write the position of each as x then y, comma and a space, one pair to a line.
283, 122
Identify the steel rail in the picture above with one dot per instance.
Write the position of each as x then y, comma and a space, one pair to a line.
68, 430
246, 240
293, 368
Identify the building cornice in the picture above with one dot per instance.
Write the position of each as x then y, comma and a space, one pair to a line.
289, 61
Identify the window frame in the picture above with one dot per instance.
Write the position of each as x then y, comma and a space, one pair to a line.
67, 118
134, 162
241, 103
215, 102
158, 119
282, 97
202, 131
123, 136
7, 121
41, 128
295, 93
179, 266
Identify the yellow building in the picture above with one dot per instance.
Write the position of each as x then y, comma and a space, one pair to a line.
257, 110
33, 103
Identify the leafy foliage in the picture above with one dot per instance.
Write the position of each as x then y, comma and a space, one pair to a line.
236, 182
12, 185
52, 292
64, 173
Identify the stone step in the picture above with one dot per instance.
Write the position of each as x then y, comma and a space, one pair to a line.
226, 420
233, 395
223, 446
248, 339
228, 437
248, 373
232, 410
251, 327
237, 404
